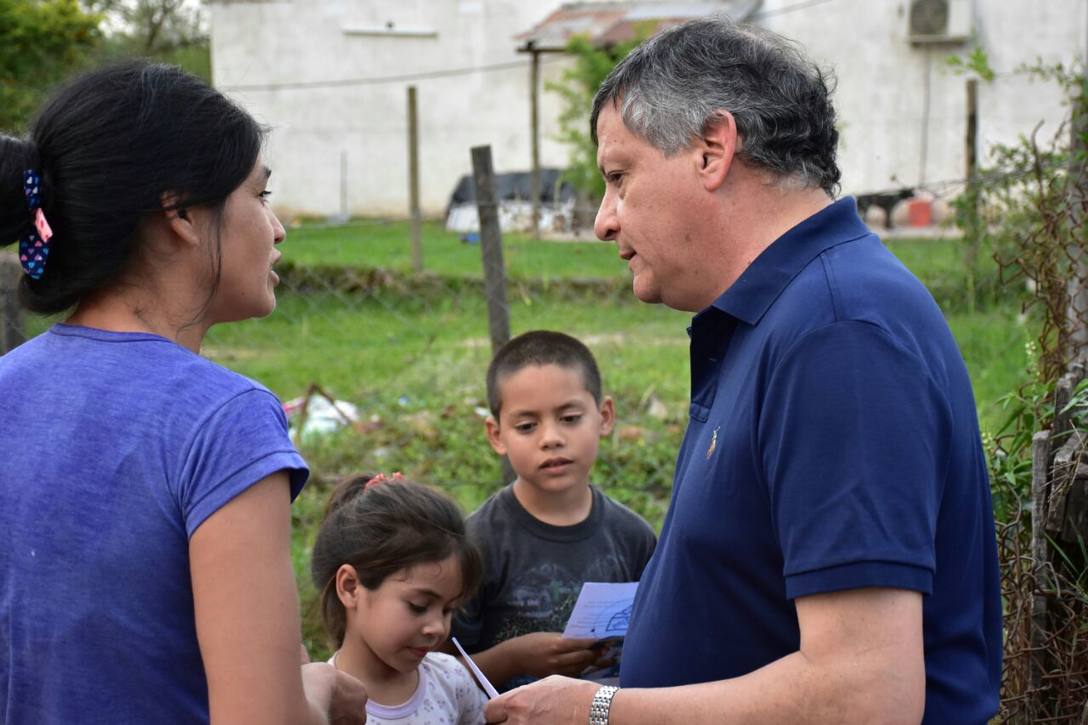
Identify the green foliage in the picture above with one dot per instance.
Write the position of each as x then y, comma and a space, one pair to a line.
41, 41
579, 84
165, 31
44, 41
1009, 445
153, 28
976, 62
1028, 209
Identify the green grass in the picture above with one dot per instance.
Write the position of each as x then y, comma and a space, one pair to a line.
387, 245
374, 347
432, 344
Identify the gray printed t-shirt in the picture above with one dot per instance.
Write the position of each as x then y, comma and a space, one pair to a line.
533, 571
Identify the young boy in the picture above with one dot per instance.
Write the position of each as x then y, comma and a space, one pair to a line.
549, 531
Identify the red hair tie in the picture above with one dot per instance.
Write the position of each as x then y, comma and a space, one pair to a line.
382, 478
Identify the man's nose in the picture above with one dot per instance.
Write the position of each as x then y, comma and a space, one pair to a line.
605, 226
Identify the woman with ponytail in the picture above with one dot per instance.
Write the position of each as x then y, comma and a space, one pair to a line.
145, 571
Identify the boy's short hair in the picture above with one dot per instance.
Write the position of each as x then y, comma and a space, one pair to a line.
541, 347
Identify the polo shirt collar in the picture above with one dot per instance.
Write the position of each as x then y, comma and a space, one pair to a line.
758, 287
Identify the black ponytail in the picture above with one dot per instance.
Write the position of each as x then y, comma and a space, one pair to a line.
16, 156
109, 146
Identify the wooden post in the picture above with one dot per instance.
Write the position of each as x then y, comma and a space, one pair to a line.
970, 151
1040, 473
534, 135
483, 174
12, 323
974, 226
498, 319
344, 216
1078, 249
413, 183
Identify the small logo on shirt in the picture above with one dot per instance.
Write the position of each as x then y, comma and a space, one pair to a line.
713, 443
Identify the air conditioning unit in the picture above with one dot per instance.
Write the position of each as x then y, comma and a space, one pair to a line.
939, 21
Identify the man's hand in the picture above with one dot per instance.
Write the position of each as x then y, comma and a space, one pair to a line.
336, 693
552, 701
547, 653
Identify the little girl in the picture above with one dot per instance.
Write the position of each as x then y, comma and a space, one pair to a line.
392, 562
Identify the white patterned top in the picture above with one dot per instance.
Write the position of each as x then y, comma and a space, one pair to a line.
447, 695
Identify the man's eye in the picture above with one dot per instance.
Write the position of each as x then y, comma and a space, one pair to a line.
524, 427
417, 608
571, 418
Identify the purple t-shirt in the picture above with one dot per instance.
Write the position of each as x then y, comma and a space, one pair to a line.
116, 447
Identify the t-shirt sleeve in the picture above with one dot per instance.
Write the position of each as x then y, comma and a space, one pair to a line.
240, 443
853, 439
647, 544
640, 541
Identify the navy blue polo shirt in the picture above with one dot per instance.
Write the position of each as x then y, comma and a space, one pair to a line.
832, 444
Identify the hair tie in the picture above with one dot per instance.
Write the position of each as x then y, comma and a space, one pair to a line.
34, 247
382, 478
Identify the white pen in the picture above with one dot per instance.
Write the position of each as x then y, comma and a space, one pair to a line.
492, 693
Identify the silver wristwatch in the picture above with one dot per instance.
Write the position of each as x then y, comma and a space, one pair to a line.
602, 703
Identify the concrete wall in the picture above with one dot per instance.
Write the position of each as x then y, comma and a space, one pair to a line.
888, 138
259, 45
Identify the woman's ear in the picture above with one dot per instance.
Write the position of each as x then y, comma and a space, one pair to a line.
716, 150
179, 219
348, 586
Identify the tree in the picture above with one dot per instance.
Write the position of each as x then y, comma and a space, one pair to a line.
170, 31
579, 84
153, 27
41, 41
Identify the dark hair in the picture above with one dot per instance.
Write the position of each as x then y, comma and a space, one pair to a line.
671, 88
108, 146
541, 347
381, 530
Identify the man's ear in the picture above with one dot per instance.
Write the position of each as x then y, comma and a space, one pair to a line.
608, 415
179, 219
492, 427
716, 150
348, 587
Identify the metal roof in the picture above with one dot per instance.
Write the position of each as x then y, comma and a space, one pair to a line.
606, 23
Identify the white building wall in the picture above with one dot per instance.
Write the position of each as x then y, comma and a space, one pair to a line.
273, 56
888, 140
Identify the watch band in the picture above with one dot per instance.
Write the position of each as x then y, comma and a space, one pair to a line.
602, 703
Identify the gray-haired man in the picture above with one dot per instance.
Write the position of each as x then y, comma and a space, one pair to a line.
829, 552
